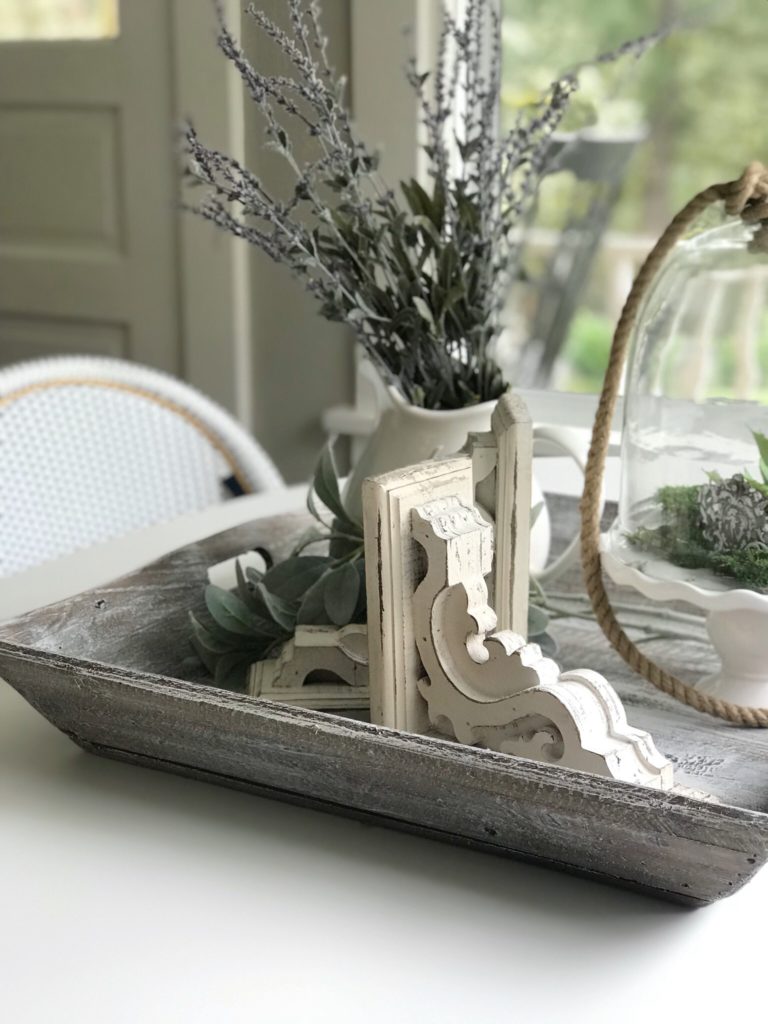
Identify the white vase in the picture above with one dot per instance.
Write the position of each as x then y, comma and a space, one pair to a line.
407, 434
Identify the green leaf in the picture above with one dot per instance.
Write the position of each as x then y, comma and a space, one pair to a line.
412, 196
312, 609
281, 611
538, 621
235, 616
208, 659
448, 264
424, 311
342, 589
291, 579
420, 202
429, 232
761, 487
232, 670
326, 486
762, 445
244, 591
210, 643
326, 483
314, 511
439, 203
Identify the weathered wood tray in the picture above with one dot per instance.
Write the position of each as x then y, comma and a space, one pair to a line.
114, 671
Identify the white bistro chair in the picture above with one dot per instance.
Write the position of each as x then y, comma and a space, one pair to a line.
92, 448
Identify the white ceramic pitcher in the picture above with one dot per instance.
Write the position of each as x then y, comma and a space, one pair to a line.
407, 434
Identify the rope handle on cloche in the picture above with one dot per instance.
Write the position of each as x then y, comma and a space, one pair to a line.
746, 198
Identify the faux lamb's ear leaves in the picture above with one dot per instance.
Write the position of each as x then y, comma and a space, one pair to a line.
312, 610
281, 611
314, 511
226, 636
326, 484
291, 579
208, 659
342, 589
244, 591
253, 575
251, 596
232, 671
424, 311
312, 535
548, 645
538, 620
236, 617
209, 641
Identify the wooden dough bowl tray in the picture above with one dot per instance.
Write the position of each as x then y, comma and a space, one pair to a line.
113, 669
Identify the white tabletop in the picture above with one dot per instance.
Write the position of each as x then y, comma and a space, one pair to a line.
97, 565
130, 896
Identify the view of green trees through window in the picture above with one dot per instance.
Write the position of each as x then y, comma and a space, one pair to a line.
688, 113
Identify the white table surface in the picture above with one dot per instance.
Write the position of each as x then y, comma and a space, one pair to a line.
130, 896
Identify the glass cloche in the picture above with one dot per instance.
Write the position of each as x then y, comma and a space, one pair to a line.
694, 477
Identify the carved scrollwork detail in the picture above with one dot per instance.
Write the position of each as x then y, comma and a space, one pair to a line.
321, 667
492, 688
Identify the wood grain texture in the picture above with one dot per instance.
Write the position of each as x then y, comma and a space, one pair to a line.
113, 670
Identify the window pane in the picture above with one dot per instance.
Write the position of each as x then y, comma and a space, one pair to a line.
658, 130
58, 19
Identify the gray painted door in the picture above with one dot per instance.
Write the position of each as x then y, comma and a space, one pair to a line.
88, 259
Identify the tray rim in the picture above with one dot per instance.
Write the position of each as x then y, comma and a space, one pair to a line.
520, 768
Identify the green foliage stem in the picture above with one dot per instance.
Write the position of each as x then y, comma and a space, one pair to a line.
681, 541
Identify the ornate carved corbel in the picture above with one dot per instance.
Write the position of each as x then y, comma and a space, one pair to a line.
438, 661
491, 688
320, 668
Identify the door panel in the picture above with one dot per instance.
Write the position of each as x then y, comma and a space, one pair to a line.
83, 147
88, 259
35, 337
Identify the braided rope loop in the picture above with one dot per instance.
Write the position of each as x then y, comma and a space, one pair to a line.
746, 198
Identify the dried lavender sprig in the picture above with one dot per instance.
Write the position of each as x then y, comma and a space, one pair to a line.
423, 283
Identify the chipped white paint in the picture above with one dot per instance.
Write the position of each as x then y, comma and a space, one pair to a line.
501, 467
491, 688
393, 568
321, 668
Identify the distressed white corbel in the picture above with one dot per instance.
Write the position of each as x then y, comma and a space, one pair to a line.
491, 688
320, 668
502, 462
438, 659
